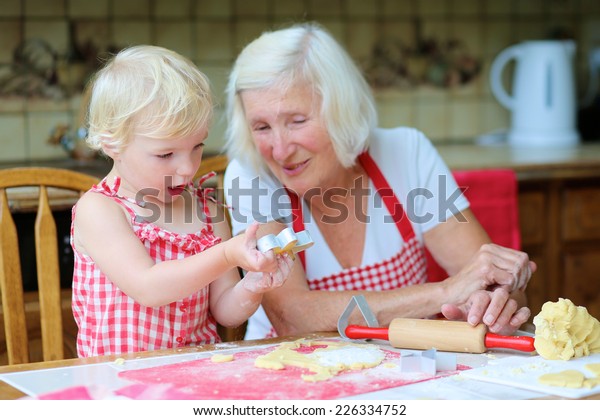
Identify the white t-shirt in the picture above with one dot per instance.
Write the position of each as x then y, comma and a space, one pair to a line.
414, 170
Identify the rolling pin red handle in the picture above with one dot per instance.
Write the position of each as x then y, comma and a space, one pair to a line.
518, 342
358, 332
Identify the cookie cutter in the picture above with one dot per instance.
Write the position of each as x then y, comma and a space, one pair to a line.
429, 362
285, 241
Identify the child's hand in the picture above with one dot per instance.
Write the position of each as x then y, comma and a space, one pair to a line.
242, 252
263, 282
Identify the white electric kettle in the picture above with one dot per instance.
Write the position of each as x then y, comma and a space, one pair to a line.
543, 101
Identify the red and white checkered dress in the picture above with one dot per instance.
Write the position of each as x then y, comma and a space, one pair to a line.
110, 322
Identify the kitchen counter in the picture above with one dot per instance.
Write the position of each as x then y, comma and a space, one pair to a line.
530, 163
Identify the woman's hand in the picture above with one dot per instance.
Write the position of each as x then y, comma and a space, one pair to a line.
499, 266
263, 282
496, 309
493, 266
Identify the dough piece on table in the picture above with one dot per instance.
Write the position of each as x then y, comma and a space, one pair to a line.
566, 378
591, 382
594, 368
564, 331
325, 362
221, 358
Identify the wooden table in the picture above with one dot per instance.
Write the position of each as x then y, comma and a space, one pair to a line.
7, 392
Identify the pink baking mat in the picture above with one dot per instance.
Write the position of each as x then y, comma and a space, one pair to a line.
240, 379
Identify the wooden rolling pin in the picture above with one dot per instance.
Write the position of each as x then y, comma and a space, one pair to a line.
457, 336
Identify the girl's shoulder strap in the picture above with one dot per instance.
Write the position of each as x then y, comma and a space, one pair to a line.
111, 191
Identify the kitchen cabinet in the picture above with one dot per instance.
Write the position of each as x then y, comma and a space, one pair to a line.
561, 231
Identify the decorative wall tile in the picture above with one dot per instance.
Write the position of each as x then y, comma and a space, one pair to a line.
324, 8
48, 8
403, 32
88, 9
395, 8
12, 137
289, 8
529, 28
395, 111
466, 8
212, 32
530, 7
53, 32
172, 8
361, 8
428, 8
40, 125
497, 35
494, 117
215, 142
213, 8
218, 80
213, 41
431, 117
495, 8
469, 33
95, 32
175, 35
10, 39
464, 119
131, 8
361, 37
127, 33
11, 8
589, 6
247, 31
251, 8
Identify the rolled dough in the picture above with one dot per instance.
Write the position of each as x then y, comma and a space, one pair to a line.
566, 378
564, 331
221, 358
326, 361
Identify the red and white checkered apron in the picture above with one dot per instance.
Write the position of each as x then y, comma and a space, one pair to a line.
407, 267
110, 322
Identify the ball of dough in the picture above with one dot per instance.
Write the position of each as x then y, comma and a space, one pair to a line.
564, 331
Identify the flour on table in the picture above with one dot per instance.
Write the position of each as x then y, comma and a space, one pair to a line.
326, 361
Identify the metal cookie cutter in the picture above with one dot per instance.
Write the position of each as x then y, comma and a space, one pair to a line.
285, 241
428, 362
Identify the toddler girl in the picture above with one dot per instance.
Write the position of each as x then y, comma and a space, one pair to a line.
155, 264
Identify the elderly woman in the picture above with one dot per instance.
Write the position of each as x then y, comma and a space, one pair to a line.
305, 152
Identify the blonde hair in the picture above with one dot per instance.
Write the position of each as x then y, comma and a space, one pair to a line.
302, 53
150, 91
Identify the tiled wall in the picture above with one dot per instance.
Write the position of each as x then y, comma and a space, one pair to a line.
211, 32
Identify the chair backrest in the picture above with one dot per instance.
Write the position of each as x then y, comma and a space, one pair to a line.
493, 198
218, 164
47, 259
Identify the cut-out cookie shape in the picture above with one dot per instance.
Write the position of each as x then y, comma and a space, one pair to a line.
285, 241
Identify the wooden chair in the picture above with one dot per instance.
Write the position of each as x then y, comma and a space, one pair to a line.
493, 196
65, 185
